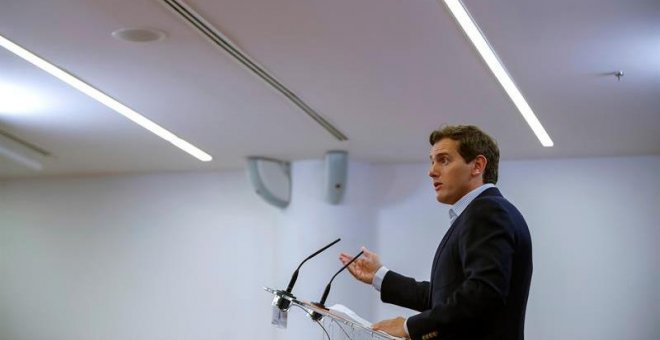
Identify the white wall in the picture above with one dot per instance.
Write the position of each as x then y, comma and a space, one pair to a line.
184, 256
135, 257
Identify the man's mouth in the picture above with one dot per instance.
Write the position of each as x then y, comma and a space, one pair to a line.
436, 186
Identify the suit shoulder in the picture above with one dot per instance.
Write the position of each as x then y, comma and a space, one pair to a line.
488, 207
493, 202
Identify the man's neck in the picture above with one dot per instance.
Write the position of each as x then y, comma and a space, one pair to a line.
473, 185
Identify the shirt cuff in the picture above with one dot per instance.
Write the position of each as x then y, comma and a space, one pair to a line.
379, 276
405, 328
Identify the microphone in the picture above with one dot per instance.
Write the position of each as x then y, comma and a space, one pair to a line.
317, 316
284, 298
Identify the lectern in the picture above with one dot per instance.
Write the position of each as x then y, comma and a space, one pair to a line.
335, 325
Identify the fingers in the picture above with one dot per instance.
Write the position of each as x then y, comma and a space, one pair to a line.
393, 327
368, 254
366, 259
345, 258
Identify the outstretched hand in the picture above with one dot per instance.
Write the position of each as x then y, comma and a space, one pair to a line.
364, 267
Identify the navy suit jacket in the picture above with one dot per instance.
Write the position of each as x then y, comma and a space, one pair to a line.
479, 280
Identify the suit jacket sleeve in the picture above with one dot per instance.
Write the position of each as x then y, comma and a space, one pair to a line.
485, 246
405, 291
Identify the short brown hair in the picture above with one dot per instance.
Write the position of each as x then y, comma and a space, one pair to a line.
472, 142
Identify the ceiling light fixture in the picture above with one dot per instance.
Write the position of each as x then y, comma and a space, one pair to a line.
479, 41
105, 99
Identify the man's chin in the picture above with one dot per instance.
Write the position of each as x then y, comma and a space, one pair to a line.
445, 199
441, 199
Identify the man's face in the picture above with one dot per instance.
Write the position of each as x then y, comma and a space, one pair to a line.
452, 176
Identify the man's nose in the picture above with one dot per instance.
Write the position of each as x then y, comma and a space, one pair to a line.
432, 172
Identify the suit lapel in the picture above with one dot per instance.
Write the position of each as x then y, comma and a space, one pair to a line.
437, 256
457, 221
442, 245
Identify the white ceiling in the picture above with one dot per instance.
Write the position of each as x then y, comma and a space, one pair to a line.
384, 72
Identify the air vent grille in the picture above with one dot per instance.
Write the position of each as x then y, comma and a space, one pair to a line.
205, 28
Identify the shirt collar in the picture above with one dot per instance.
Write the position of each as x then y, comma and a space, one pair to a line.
460, 205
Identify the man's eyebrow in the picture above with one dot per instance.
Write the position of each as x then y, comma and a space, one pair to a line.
438, 155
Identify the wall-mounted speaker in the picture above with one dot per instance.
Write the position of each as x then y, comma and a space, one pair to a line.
271, 179
336, 171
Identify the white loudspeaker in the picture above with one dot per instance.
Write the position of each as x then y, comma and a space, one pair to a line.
271, 179
336, 168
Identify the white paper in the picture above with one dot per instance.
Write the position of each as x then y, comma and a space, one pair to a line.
348, 314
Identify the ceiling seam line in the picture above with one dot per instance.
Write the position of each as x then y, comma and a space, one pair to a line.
211, 33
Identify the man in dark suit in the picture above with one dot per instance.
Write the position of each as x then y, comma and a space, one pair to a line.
482, 268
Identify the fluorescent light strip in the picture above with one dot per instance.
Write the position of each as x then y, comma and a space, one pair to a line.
105, 100
488, 54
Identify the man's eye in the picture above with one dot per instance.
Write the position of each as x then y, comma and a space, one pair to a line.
442, 160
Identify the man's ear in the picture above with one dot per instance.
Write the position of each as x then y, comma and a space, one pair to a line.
479, 165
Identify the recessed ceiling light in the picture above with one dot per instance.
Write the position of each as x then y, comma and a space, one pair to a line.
105, 100
139, 34
490, 57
